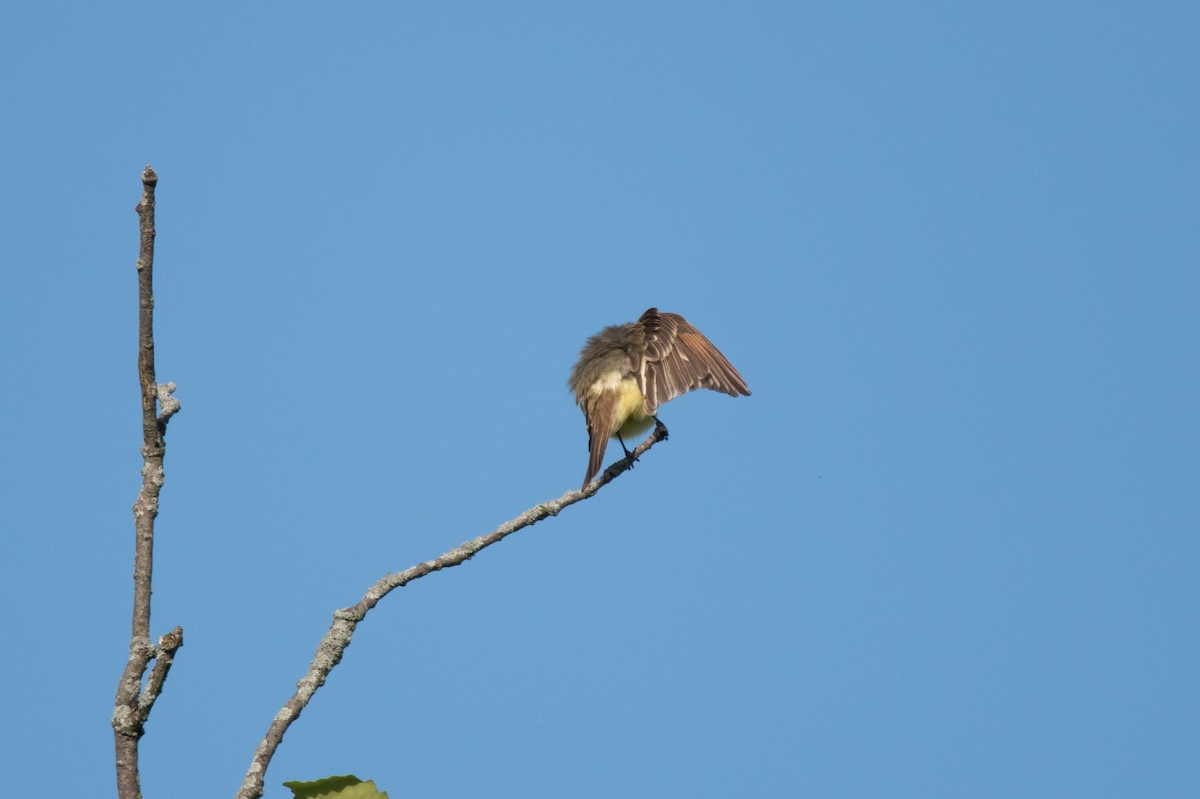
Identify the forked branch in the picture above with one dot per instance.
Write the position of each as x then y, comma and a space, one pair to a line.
135, 701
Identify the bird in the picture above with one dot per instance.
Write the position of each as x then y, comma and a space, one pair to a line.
625, 372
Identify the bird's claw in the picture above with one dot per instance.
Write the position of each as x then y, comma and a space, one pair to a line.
661, 429
629, 456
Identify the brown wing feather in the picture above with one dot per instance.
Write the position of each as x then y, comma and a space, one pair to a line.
601, 412
677, 358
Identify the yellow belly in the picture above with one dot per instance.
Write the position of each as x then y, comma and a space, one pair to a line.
631, 415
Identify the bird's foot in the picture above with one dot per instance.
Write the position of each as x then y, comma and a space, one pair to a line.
660, 428
629, 456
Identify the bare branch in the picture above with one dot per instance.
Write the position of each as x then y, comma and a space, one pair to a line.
168, 645
133, 702
333, 644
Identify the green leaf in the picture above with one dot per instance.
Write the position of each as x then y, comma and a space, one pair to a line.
347, 787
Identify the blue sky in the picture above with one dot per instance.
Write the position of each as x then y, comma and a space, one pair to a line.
948, 548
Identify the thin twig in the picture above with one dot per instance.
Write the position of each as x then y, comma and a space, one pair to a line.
133, 702
333, 644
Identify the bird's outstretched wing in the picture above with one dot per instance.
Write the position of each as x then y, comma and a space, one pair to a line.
678, 358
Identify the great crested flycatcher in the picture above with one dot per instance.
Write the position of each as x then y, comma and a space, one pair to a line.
625, 372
